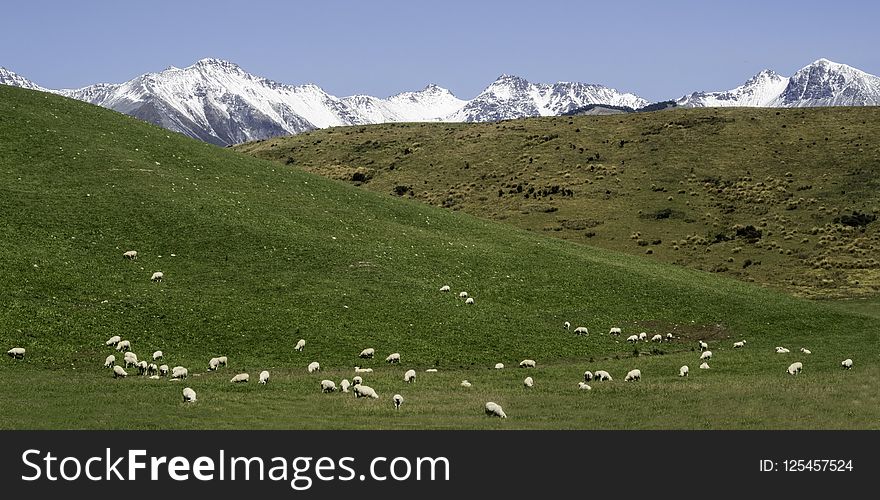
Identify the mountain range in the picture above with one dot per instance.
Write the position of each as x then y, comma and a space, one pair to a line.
218, 102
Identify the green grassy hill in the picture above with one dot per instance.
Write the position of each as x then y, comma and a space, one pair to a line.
257, 255
680, 186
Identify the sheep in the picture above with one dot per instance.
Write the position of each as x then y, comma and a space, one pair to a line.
795, 368
163, 370
154, 377
179, 372
668, 337
158, 355
615, 330
398, 399
465, 383
566, 325
703, 345
706, 355
633, 375
588, 375
358, 369
527, 363
581, 330
499, 366
213, 363
431, 370
264, 377
409, 376
683, 371
643, 336
529, 382
223, 360
704, 366
110, 361
314, 366
657, 338
367, 353
152, 370
462, 295
495, 410
240, 378
344, 385
189, 395
300, 344
806, 351
781, 350
846, 364
445, 288
130, 359
584, 387
740, 344
328, 386
632, 338
123, 345
469, 300
363, 391
119, 372
113, 340
602, 375
130, 255
142, 367
357, 381
157, 276
393, 358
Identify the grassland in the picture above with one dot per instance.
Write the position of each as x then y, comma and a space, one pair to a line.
257, 255
682, 186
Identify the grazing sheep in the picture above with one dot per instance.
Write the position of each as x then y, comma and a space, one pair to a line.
846, 364
152, 370
633, 375
431, 370
142, 367
224, 361
300, 344
189, 395
581, 330
527, 363
657, 338
358, 369
409, 376
163, 370
740, 344
393, 358
357, 381
445, 288
328, 386
683, 371
632, 338
588, 375
363, 391
495, 410
314, 366
806, 351
465, 383
704, 366
240, 378
123, 345
782, 350
566, 325
398, 399
157, 276
213, 364
529, 382
584, 387
462, 295
119, 372
703, 345
668, 337
615, 330
499, 366
179, 372
344, 385
469, 300
110, 361
602, 376
130, 359
795, 368
158, 355
264, 377
706, 355
367, 353
113, 340
643, 336
130, 255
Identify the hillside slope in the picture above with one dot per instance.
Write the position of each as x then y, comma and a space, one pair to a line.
257, 255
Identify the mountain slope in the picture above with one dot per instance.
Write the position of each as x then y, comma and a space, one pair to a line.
761, 90
13, 79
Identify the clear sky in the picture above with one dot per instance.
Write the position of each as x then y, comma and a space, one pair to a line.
658, 50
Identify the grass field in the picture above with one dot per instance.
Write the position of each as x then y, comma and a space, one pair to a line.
257, 255
680, 186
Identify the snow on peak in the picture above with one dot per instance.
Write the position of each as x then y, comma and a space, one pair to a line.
8, 77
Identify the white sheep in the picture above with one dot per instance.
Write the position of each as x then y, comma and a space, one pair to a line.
358, 369
668, 337
584, 387
527, 363
529, 382
131, 255
357, 381
393, 358
495, 410
152, 370
363, 391
240, 378
588, 375
469, 300
706, 355
409, 376
445, 288
328, 386
314, 366
179, 372
213, 363
189, 395
157, 276
704, 366
806, 351
163, 370
465, 383
398, 400
846, 364
633, 375
110, 361
154, 377
602, 376
740, 344
499, 366
462, 295
130, 359
123, 345
142, 367
113, 340
615, 330
300, 344
224, 361
643, 336
264, 377
683, 371
795, 368
344, 385
632, 338
703, 345
781, 350
367, 353
431, 370
581, 330
657, 338
158, 355
119, 372
566, 325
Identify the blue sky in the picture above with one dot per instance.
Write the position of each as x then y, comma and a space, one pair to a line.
658, 50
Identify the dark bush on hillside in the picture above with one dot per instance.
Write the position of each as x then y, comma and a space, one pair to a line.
749, 233
401, 190
857, 219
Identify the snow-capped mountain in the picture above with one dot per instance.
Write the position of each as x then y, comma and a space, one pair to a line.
822, 83
8, 77
511, 97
